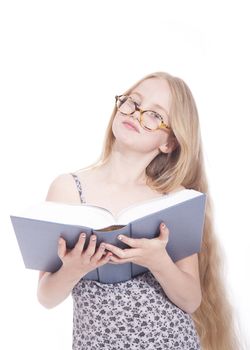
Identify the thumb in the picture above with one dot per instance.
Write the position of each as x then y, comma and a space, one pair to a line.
164, 232
61, 248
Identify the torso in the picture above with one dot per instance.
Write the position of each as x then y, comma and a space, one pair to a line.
113, 197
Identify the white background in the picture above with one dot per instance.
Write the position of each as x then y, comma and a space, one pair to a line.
62, 63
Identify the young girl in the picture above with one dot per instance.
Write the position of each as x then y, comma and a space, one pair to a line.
152, 147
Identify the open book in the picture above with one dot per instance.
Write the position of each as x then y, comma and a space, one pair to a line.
39, 227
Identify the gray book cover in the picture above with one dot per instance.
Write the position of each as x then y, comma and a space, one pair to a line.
38, 239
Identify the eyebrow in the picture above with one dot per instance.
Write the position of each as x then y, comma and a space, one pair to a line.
153, 105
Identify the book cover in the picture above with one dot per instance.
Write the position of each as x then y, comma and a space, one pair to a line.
39, 227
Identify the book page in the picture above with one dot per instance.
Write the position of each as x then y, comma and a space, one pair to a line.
134, 212
64, 213
98, 217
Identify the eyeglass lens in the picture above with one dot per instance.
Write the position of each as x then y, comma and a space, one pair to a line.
150, 119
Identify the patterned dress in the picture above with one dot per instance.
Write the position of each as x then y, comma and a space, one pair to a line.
135, 314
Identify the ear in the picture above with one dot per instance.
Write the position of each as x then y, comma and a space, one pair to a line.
168, 147
164, 149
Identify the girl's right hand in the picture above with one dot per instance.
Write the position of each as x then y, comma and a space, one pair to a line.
81, 262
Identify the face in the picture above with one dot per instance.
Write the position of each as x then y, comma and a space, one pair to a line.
151, 94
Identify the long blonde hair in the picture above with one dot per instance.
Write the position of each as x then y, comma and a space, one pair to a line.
215, 318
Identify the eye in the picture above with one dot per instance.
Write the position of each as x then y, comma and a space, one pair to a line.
153, 115
157, 115
123, 97
136, 101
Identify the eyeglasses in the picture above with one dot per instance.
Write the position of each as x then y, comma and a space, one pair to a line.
149, 120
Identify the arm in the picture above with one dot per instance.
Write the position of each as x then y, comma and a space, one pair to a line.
180, 281
53, 288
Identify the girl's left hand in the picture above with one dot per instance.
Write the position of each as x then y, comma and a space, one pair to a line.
143, 251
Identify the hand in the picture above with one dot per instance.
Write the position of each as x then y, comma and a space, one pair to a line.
143, 251
81, 262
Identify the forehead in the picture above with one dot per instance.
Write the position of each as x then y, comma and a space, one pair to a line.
153, 91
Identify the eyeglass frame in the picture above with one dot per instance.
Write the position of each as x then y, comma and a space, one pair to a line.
163, 125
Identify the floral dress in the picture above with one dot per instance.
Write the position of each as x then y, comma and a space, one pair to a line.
135, 314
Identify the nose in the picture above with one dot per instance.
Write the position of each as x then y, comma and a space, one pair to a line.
133, 115
136, 118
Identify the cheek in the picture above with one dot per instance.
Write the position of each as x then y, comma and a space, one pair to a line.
121, 132
154, 141
144, 141
117, 127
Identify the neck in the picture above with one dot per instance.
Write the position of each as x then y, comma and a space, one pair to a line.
126, 168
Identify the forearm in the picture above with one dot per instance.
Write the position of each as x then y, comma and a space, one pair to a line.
53, 288
180, 287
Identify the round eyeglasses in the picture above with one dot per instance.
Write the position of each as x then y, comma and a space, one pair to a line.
149, 120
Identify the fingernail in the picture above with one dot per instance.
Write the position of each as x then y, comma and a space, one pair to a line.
163, 225
93, 238
83, 235
120, 237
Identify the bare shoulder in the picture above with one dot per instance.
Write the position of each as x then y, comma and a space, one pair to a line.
63, 189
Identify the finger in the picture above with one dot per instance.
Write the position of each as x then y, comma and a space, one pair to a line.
61, 248
91, 247
115, 250
116, 260
122, 253
106, 258
164, 233
80, 244
132, 242
100, 252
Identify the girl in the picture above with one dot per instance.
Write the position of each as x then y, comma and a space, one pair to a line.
152, 147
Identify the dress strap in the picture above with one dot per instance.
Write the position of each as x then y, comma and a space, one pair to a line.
79, 187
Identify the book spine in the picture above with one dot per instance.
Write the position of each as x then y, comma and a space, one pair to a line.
113, 273
131, 264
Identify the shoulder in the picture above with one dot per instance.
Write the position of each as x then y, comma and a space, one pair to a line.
63, 189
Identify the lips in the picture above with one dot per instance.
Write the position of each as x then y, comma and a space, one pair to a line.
132, 124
